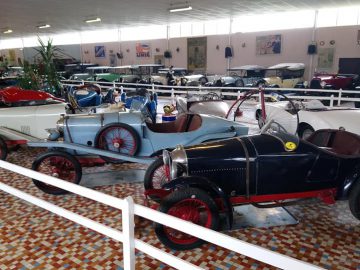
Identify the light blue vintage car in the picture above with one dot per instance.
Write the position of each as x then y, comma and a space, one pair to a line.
135, 133
117, 136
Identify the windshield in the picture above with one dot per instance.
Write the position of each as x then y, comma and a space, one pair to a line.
282, 123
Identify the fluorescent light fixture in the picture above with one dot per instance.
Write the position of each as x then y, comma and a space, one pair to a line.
93, 20
44, 26
178, 9
8, 31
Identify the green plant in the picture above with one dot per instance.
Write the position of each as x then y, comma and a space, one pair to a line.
43, 75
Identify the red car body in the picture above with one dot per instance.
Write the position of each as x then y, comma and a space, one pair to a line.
14, 94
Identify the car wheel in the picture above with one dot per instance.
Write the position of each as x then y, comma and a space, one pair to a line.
305, 131
190, 204
354, 200
60, 165
203, 80
239, 83
120, 138
156, 175
3, 149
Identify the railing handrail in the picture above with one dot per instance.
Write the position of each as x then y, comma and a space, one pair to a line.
130, 209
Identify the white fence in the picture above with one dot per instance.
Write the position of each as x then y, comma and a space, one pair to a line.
335, 97
126, 236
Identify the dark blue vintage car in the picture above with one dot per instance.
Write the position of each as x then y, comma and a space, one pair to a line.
198, 183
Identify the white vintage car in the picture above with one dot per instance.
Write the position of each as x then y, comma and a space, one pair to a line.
313, 115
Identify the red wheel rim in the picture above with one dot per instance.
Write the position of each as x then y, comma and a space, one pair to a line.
59, 167
160, 176
118, 139
193, 210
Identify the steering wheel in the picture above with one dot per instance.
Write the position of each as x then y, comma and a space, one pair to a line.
211, 96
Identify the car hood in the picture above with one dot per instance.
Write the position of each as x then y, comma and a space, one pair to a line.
206, 154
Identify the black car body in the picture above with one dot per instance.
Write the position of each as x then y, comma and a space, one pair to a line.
261, 169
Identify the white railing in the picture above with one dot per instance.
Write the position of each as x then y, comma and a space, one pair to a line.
333, 95
129, 210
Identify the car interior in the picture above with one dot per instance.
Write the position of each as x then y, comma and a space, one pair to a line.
183, 123
339, 142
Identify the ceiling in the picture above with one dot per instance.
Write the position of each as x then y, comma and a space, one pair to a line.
22, 16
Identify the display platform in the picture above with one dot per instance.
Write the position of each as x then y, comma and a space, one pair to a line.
246, 216
96, 179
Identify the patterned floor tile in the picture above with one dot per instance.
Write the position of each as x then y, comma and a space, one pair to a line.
32, 238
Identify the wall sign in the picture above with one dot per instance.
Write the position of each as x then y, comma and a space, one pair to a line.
326, 58
197, 53
142, 49
100, 51
270, 44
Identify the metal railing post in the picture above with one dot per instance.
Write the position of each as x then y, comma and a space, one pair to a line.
331, 101
172, 96
82, 82
340, 96
239, 94
153, 87
121, 89
128, 227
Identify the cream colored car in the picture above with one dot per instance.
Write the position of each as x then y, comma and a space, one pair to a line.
284, 75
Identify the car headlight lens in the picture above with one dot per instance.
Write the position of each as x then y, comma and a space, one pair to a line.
323, 83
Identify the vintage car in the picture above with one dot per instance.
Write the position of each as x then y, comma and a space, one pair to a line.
313, 115
210, 103
180, 76
26, 113
248, 75
75, 68
271, 169
91, 73
130, 134
284, 75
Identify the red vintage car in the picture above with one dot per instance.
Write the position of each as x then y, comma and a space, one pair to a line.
334, 81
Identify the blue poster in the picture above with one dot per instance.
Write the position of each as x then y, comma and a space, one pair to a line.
100, 51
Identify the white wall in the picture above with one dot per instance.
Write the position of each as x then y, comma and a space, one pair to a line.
294, 49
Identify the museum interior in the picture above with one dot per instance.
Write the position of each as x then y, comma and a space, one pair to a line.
180, 134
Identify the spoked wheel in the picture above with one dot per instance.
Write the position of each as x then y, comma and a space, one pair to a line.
156, 175
119, 138
60, 165
283, 112
190, 204
354, 200
3, 149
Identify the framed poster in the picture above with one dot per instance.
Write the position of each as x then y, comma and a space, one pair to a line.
197, 53
100, 51
142, 49
325, 58
270, 44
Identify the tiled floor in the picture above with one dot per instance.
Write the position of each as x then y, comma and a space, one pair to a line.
32, 238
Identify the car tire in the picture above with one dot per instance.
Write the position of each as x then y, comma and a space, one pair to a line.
155, 176
126, 141
191, 204
3, 149
239, 83
354, 200
203, 80
305, 131
58, 164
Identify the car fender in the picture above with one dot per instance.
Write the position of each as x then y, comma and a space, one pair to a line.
346, 186
206, 185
